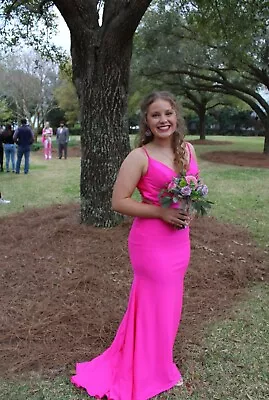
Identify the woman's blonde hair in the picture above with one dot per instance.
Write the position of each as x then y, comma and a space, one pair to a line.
178, 143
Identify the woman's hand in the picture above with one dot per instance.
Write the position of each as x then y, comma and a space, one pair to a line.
175, 217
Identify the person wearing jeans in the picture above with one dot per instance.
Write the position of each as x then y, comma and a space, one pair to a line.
10, 151
9, 147
24, 137
23, 151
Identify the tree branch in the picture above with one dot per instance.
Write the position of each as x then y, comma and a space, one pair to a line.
122, 17
219, 86
246, 98
33, 8
42, 4
10, 8
79, 12
190, 106
219, 103
227, 85
260, 74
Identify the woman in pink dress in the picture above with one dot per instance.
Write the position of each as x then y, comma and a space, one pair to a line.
139, 363
47, 134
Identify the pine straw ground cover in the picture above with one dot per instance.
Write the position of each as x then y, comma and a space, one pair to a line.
254, 159
64, 289
64, 286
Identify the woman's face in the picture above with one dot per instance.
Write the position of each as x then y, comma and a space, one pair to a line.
47, 125
161, 119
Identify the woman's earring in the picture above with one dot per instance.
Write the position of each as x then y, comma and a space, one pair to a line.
148, 133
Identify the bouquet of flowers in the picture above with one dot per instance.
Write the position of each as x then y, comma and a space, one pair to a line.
188, 192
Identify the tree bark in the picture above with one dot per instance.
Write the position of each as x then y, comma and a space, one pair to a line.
101, 57
101, 79
266, 139
264, 117
201, 126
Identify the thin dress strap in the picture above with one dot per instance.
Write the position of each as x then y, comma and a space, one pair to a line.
145, 150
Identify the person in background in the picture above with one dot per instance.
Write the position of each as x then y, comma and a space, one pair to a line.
1, 151
47, 133
9, 147
62, 136
24, 137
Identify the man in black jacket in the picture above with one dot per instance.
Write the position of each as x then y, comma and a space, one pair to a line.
24, 137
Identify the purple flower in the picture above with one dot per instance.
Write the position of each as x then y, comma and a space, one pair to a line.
203, 190
186, 191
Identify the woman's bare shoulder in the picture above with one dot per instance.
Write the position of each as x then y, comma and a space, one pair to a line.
192, 149
189, 145
137, 154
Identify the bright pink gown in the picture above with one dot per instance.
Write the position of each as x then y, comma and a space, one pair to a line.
139, 363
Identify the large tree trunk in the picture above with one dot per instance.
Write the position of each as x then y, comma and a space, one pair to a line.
266, 140
102, 88
201, 126
101, 55
264, 117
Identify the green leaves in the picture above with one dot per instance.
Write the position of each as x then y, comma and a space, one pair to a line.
5, 112
201, 207
186, 191
31, 23
165, 199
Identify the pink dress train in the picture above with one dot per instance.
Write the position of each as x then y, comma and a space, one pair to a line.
139, 363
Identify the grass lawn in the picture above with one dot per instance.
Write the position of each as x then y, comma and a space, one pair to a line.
232, 362
48, 182
240, 194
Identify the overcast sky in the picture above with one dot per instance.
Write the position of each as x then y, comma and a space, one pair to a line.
63, 37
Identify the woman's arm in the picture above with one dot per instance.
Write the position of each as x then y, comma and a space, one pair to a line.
132, 168
193, 154
129, 175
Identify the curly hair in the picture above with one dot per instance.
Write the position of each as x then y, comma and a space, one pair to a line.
178, 143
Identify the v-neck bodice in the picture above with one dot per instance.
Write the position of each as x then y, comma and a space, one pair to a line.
158, 175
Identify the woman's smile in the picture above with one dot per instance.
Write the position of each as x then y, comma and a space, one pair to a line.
164, 128
161, 118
